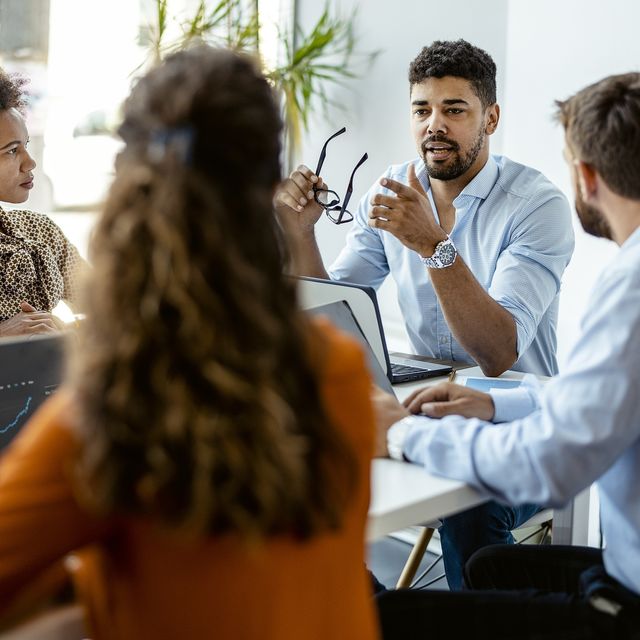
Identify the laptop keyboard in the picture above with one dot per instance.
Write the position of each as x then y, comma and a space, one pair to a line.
403, 369
406, 372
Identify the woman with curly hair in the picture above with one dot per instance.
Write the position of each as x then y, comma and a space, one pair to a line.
211, 448
38, 265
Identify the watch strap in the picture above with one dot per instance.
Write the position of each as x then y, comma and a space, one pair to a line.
444, 255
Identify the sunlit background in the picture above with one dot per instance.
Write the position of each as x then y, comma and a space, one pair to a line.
81, 69
82, 56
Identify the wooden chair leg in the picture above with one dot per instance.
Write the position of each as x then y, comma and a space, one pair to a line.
415, 557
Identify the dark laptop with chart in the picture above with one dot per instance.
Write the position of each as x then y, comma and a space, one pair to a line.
364, 306
30, 371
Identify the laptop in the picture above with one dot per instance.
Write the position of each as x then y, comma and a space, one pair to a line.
342, 317
363, 304
30, 371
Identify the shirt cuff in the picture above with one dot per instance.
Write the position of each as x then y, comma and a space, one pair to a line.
396, 437
512, 404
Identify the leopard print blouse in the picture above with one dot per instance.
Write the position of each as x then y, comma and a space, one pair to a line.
37, 263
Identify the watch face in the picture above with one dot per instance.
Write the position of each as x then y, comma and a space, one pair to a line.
444, 255
447, 253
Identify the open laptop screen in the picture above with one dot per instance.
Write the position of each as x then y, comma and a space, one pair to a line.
341, 316
364, 306
30, 371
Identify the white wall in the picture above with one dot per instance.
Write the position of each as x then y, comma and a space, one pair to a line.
377, 102
553, 49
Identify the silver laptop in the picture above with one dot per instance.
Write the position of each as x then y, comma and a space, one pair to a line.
363, 303
30, 371
341, 316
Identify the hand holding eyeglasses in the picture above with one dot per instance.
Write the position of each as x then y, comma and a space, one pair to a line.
294, 198
305, 193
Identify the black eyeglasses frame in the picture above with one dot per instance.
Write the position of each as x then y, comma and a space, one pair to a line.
333, 202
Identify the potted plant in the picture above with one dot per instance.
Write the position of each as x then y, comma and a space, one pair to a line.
309, 63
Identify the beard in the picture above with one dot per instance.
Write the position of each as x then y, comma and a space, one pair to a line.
591, 219
461, 162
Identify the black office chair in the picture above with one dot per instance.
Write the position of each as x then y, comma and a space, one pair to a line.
543, 520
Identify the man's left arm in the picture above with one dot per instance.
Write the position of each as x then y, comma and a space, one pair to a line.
447, 399
482, 326
580, 424
555, 455
529, 270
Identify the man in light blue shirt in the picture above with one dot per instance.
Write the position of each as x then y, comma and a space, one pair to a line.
512, 231
476, 243
583, 427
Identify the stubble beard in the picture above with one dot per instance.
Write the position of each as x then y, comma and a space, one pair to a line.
591, 219
459, 165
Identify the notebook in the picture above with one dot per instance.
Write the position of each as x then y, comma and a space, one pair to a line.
363, 304
30, 371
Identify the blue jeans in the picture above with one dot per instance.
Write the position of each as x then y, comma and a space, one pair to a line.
463, 534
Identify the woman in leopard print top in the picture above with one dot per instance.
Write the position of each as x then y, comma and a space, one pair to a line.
38, 265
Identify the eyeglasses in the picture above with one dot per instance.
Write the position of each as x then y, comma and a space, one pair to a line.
329, 200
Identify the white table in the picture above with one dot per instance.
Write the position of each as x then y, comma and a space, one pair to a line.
404, 494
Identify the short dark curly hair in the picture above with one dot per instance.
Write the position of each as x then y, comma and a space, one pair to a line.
457, 58
12, 95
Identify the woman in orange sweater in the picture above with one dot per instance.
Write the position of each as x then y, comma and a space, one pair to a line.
209, 455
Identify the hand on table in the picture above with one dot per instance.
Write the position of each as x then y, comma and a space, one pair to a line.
451, 399
30, 321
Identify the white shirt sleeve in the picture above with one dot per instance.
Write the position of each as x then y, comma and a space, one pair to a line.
511, 404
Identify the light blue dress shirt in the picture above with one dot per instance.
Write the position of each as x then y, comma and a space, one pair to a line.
513, 230
586, 426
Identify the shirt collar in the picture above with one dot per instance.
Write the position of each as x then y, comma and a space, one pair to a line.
632, 240
479, 187
482, 183
422, 175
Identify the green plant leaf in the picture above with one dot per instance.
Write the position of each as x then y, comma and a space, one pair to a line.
326, 55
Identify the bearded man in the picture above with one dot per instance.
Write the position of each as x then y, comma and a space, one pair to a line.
476, 243
582, 427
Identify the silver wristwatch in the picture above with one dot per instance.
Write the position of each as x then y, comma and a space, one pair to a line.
444, 255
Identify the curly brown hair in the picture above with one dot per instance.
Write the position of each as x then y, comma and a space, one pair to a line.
12, 95
198, 397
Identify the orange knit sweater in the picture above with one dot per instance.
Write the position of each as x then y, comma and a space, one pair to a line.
143, 583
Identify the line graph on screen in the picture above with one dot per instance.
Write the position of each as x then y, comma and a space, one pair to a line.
23, 411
